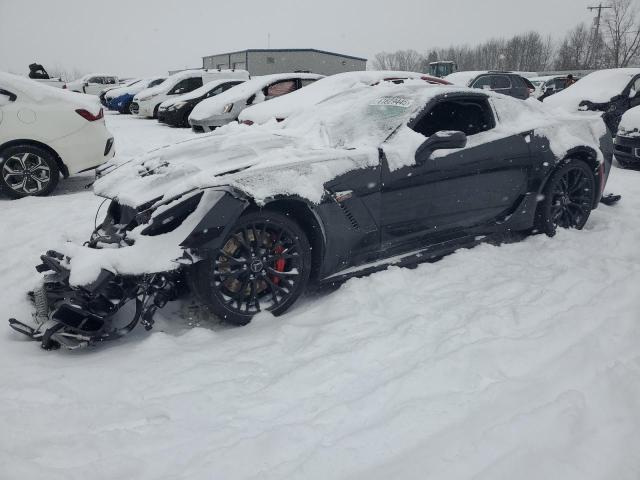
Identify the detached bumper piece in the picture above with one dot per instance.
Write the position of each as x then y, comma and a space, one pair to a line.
78, 317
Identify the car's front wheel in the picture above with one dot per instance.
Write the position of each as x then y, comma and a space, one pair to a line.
27, 170
264, 264
568, 198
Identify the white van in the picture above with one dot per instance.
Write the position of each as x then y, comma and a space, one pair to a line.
146, 103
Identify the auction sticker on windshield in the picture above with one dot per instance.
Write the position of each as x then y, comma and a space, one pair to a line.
392, 102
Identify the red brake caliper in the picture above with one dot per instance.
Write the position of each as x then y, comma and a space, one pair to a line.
280, 263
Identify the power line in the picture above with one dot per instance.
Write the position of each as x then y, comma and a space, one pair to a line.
596, 31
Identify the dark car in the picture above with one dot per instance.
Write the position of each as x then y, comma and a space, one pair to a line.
612, 92
507, 83
248, 219
627, 141
176, 111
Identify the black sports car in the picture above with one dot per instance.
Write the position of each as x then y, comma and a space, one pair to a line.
175, 112
246, 218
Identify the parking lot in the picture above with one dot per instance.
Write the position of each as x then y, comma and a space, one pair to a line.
404, 373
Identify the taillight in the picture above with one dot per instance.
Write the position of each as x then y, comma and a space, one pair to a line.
64, 86
87, 115
248, 122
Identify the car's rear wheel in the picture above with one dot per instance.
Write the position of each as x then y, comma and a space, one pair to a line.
155, 111
264, 264
27, 170
568, 198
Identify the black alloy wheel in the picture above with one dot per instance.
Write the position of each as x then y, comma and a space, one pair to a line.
568, 198
27, 170
264, 264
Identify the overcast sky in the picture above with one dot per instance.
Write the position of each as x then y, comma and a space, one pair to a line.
143, 37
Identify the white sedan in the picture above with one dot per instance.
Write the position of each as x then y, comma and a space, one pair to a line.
93, 84
45, 133
224, 108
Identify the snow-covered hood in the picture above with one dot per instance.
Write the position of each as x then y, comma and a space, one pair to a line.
261, 162
240, 93
597, 87
630, 123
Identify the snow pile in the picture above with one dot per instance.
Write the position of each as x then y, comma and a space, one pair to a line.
43, 93
519, 361
597, 87
282, 107
630, 123
240, 93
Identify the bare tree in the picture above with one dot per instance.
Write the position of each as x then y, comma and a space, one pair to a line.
573, 51
404, 60
622, 32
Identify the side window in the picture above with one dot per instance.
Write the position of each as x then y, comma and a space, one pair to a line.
157, 81
500, 82
216, 91
229, 85
518, 82
482, 82
468, 115
94, 80
635, 86
306, 81
280, 88
193, 83
110, 80
181, 87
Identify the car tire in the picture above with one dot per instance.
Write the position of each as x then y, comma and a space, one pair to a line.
568, 198
155, 111
264, 264
622, 163
27, 170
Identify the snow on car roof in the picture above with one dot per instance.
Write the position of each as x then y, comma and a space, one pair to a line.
596, 87
463, 78
214, 105
285, 105
42, 92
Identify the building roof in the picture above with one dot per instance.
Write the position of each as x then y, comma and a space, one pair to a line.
288, 50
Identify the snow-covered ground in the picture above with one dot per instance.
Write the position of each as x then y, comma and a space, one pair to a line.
519, 361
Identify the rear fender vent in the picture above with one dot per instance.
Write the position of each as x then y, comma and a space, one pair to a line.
349, 215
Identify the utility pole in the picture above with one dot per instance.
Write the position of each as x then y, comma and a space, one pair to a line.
596, 32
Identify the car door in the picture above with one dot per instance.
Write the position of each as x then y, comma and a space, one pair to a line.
450, 192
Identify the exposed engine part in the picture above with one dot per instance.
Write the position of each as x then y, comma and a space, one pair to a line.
77, 317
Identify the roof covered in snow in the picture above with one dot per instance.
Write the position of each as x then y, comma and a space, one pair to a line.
214, 105
285, 105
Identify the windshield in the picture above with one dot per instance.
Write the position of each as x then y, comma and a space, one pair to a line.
363, 116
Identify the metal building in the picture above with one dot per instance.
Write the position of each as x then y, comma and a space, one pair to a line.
267, 61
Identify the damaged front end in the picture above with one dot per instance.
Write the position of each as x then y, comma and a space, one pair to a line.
75, 315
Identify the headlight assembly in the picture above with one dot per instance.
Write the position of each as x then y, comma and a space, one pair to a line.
227, 108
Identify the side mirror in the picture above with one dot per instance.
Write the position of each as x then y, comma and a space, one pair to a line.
12, 97
444, 139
